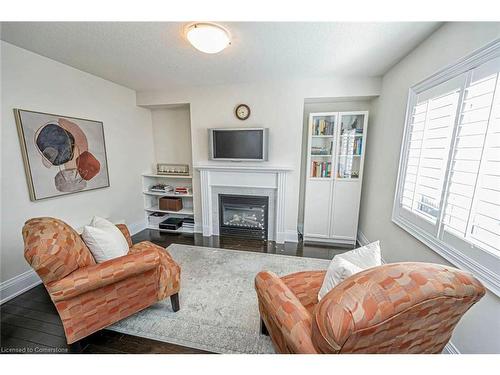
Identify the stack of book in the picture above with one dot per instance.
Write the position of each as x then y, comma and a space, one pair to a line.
188, 223
321, 169
182, 190
319, 150
322, 127
162, 188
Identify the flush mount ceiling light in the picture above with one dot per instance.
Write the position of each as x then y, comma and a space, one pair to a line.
208, 37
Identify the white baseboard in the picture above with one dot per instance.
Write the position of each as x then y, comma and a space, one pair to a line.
17, 285
362, 239
450, 348
291, 236
287, 236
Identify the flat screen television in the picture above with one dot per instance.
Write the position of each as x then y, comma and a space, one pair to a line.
238, 144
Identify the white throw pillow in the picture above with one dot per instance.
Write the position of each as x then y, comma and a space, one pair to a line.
338, 270
364, 257
104, 240
347, 264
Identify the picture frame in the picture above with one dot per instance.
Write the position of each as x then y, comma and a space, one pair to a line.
61, 154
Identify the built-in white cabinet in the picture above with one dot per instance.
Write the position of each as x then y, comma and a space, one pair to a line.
335, 158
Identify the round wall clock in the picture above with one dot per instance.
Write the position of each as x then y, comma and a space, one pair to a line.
242, 111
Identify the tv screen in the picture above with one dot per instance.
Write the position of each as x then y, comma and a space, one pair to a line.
238, 144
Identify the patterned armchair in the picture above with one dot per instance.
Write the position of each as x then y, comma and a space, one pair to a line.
90, 296
394, 308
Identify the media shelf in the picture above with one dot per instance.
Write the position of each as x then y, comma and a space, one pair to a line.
153, 175
180, 230
162, 194
184, 211
151, 199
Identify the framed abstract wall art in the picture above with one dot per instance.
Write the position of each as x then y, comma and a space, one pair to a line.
62, 155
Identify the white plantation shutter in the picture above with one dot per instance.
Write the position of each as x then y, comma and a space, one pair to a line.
448, 192
485, 213
431, 128
473, 201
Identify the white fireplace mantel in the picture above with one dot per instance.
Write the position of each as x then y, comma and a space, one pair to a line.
263, 178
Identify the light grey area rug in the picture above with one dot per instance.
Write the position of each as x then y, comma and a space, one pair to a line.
219, 311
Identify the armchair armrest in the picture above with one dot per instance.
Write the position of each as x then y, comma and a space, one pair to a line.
100, 275
126, 233
284, 311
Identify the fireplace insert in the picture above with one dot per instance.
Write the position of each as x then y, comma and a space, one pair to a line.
243, 216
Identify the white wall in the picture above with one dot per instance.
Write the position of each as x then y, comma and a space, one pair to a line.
479, 330
276, 105
172, 134
33, 82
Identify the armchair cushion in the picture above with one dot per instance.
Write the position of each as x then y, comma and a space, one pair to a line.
100, 275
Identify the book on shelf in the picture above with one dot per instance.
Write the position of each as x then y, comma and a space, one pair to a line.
321, 169
322, 126
358, 142
188, 223
182, 190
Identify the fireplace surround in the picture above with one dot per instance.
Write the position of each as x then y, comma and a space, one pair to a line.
245, 180
243, 216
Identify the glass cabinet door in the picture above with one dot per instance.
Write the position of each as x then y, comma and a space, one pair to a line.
321, 150
350, 147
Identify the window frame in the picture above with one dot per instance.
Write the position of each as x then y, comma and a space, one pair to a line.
481, 263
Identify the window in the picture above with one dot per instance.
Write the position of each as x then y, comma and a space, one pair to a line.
448, 192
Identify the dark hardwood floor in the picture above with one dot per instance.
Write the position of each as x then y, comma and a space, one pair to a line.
30, 323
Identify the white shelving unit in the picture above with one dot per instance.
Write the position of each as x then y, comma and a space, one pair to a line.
335, 158
151, 199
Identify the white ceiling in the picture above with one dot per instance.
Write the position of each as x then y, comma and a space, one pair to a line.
155, 55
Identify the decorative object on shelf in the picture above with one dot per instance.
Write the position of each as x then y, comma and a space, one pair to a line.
62, 155
161, 188
242, 111
172, 169
170, 204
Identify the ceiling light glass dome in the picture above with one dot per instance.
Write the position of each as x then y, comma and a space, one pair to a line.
208, 37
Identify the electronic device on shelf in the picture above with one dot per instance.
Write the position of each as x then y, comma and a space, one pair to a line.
172, 223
